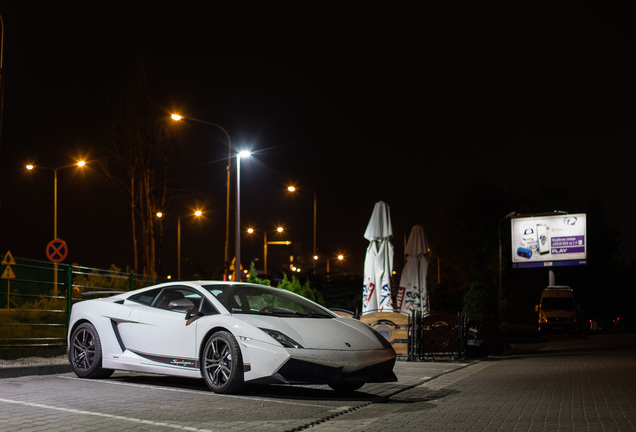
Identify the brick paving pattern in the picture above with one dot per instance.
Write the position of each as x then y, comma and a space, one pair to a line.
586, 384
587, 390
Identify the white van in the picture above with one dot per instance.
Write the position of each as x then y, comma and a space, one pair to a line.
557, 310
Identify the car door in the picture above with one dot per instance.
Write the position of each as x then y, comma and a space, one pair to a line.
159, 334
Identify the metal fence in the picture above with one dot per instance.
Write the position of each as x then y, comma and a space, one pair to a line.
416, 338
36, 298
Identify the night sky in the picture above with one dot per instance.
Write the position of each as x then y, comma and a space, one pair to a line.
405, 104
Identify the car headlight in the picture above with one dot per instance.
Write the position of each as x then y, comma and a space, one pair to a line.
282, 338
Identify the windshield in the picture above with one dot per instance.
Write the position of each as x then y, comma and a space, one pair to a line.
264, 300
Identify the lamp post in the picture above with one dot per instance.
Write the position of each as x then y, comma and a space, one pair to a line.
237, 263
266, 243
509, 215
177, 117
1, 77
55, 170
197, 214
340, 257
314, 255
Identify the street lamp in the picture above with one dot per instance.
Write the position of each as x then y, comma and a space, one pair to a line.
266, 243
55, 170
177, 117
509, 215
339, 257
197, 213
31, 167
1, 77
237, 263
293, 189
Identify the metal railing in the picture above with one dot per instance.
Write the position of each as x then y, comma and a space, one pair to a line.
36, 298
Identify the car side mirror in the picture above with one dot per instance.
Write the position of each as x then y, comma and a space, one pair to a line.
182, 305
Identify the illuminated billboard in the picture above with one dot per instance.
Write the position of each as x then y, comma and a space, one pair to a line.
544, 241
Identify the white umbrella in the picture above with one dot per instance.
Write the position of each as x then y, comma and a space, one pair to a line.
412, 292
378, 263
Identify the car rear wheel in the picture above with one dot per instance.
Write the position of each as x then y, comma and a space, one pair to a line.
85, 353
222, 363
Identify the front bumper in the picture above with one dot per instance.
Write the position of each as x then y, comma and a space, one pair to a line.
296, 371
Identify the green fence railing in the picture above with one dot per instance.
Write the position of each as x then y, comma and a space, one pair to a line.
36, 298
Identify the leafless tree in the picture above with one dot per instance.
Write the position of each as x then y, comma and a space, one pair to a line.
140, 146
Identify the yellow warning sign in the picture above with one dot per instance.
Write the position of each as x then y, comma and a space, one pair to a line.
8, 259
8, 273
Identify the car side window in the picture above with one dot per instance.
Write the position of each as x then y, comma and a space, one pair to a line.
167, 295
170, 294
161, 297
145, 297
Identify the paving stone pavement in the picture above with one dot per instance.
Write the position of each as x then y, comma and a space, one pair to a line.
583, 388
576, 384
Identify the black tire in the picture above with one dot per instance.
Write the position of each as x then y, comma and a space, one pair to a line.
346, 387
85, 353
222, 364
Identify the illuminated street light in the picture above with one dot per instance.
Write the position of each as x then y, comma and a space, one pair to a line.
197, 213
31, 167
293, 189
237, 260
177, 117
339, 257
266, 243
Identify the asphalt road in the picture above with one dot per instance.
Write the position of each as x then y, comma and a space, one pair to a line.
556, 384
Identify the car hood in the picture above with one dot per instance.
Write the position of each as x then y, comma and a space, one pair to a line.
320, 333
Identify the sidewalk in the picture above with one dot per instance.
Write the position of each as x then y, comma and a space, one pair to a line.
579, 386
569, 384
34, 366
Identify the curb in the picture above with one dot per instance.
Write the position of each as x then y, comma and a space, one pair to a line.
15, 372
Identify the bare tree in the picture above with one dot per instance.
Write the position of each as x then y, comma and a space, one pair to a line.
138, 163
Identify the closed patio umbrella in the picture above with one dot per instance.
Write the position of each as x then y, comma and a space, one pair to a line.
412, 292
378, 263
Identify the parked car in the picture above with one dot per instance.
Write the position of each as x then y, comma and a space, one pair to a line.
557, 310
229, 334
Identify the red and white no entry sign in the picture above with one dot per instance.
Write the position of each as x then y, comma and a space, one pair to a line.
56, 250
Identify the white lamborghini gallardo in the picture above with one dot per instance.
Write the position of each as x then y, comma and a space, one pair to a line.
229, 334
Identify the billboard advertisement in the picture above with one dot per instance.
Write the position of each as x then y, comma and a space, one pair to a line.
544, 241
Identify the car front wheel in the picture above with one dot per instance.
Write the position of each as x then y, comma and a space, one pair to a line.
222, 363
85, 353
